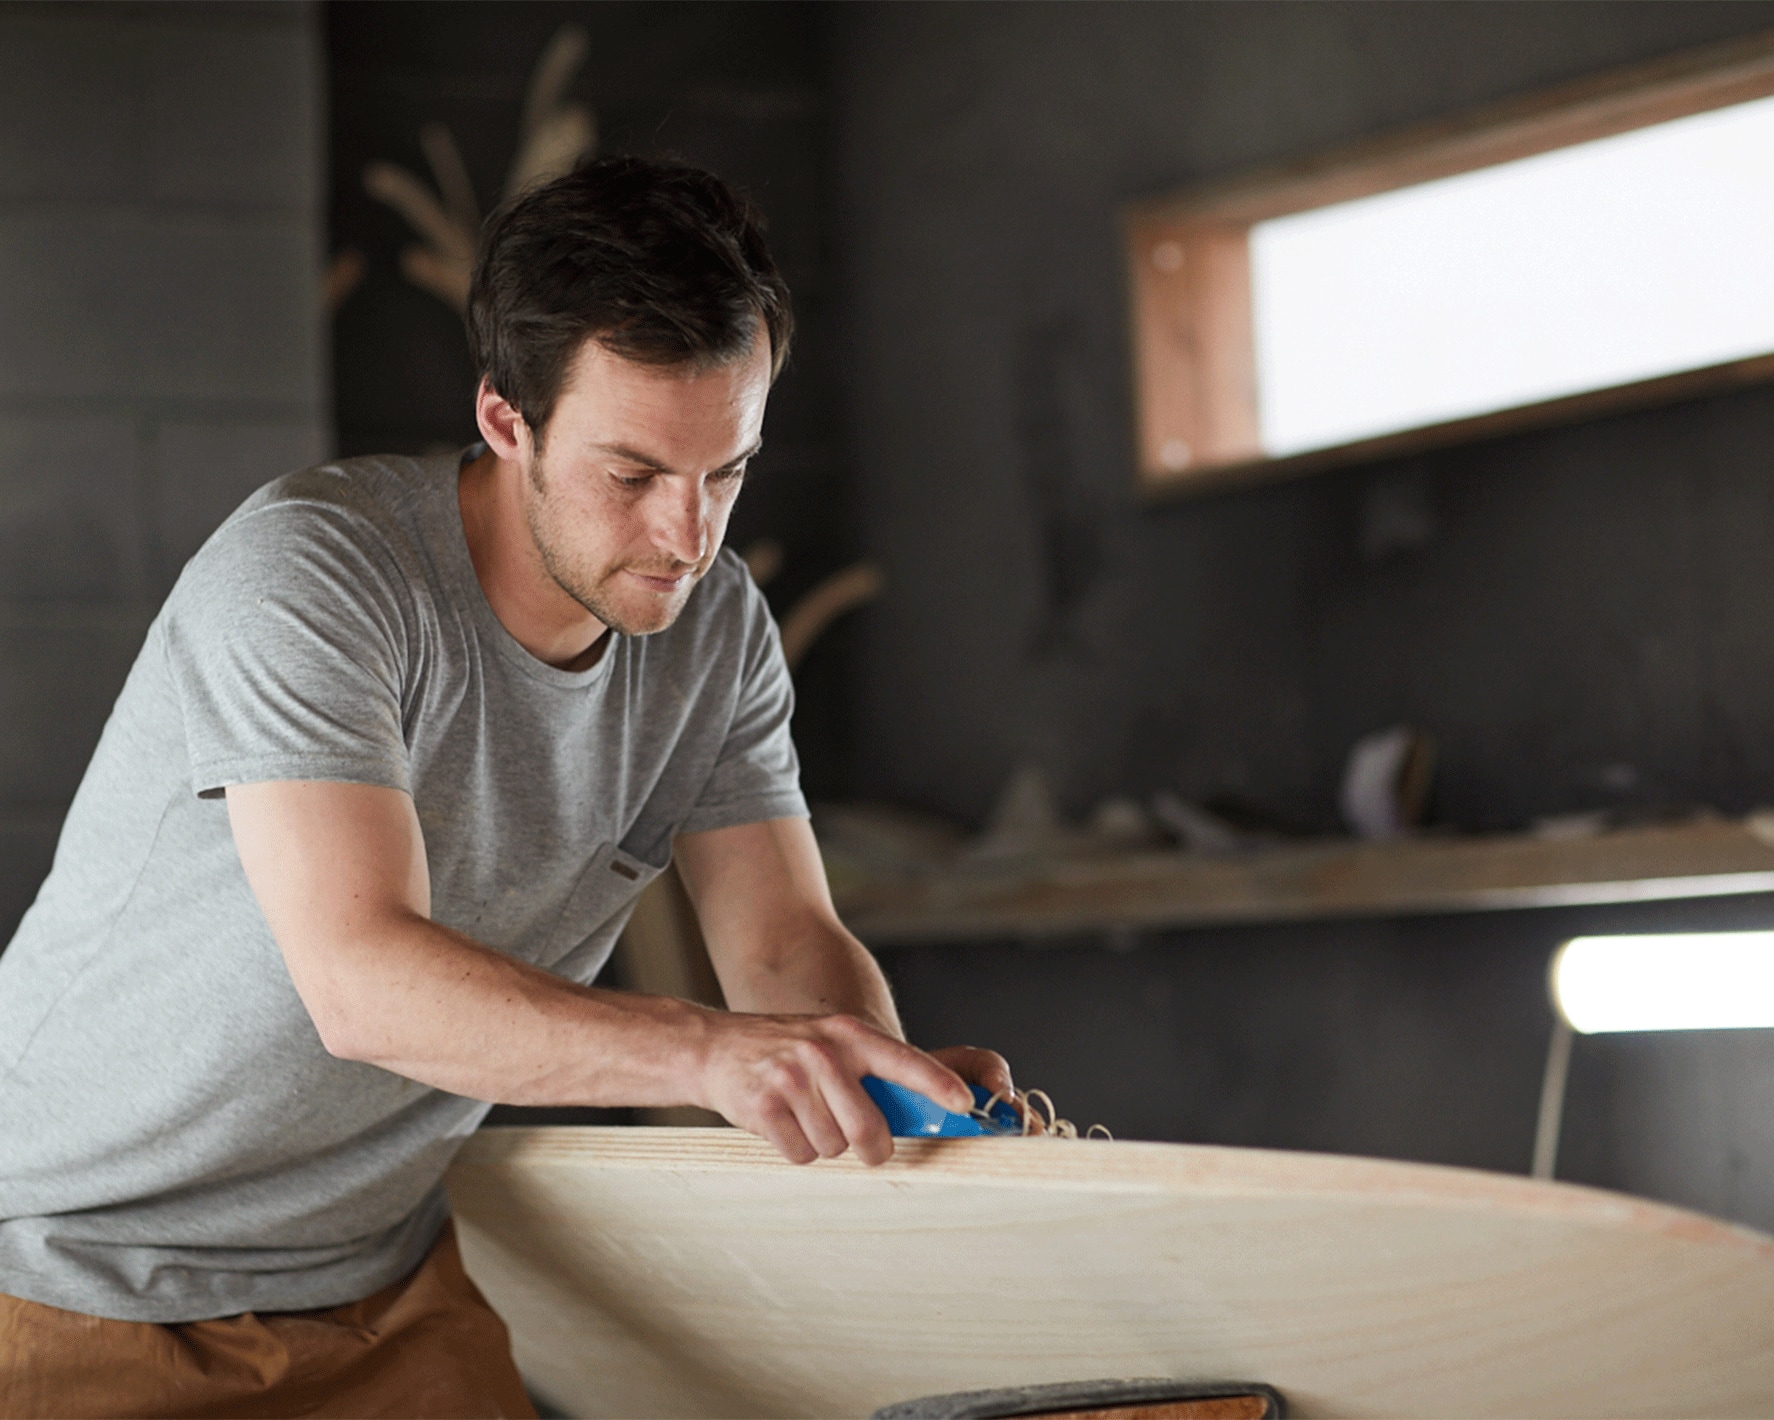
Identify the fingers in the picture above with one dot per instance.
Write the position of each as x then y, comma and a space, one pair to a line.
778, 1124
906, 1065
855, 1114
834, 1110
797, 1082
985, 1068
789, 1104
813, 1107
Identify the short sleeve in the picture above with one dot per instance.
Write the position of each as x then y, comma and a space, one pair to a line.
285, 646
756, 775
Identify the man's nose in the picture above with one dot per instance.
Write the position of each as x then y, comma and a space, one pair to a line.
682, 526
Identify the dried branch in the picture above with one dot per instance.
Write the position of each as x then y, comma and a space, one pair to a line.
841, 592
553, 136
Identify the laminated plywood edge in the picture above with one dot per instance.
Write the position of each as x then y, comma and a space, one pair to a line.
1123, 1166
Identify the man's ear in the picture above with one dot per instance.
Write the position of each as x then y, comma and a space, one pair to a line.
500, 424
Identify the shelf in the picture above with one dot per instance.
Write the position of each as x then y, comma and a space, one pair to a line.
1329, 879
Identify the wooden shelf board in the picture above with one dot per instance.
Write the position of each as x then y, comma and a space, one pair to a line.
1708, 858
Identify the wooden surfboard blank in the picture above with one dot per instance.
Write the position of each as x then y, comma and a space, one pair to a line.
691, 1272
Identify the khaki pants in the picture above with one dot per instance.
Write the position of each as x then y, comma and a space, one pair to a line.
425, 1346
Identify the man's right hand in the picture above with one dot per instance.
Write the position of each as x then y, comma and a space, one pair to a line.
797, 1081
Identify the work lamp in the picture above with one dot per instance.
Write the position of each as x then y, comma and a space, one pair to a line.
1662, 981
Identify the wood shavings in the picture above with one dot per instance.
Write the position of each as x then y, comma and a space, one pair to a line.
1039, 1116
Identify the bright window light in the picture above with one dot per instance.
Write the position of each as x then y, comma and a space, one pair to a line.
1600, 264
1681, 981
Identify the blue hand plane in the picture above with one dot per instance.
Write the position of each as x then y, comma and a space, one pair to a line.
911, 1115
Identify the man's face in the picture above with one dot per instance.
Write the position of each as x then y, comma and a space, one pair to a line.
629, 492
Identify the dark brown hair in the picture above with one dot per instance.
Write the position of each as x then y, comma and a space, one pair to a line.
658, 262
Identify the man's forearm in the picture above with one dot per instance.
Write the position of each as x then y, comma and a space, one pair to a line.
437, 1007
776, 942
441, 1008
820, 970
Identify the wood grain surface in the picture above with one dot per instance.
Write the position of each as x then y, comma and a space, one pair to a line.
688, 1272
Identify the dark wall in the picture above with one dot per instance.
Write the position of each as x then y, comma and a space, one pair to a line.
737, 88
160, 345
1415, 1038
1589, 620
1591, 617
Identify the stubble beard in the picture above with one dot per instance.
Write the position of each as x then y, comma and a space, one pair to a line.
590, 590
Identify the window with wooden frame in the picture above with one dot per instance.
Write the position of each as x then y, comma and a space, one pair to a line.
1600, 246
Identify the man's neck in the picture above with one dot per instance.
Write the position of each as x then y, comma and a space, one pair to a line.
529, 603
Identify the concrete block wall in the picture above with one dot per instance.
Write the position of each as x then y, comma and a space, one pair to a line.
161, 344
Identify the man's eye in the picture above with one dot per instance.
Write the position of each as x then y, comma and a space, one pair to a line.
632, 480
729, 475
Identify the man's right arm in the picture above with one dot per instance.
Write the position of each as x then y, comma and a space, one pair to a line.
339, 872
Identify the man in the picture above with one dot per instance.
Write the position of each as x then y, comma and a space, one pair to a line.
403, 746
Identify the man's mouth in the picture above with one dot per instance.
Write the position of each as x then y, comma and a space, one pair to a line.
660, 581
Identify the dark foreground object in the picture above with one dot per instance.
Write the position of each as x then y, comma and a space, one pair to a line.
1099, 1400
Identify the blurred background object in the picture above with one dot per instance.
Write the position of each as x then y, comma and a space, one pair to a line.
1386, 782
552, 136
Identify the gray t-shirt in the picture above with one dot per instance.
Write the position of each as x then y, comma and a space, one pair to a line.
175, 1143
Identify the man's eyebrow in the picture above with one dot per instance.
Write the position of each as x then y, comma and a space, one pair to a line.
628, 455
631, 455
750, 453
